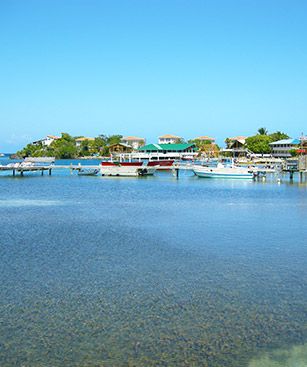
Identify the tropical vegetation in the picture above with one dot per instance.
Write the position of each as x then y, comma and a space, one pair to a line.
206, 147
260, 143
66, 148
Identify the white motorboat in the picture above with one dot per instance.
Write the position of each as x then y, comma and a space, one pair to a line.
132, 169
88, 172
221, 171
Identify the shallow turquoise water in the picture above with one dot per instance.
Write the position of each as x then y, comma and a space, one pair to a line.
150, 272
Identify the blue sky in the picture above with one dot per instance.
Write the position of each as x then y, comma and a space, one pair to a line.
150, 67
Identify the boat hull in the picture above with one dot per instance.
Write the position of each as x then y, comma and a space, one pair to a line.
127, 171
162, 164
88, 172
207, 172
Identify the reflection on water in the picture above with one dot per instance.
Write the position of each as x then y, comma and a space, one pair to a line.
294, 357
150, 272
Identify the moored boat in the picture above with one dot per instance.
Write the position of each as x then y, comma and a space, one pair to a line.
88, 172
132, 169
161, 164
222, 171
123, 164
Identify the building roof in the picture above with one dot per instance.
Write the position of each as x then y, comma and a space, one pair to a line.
132, 138
122, 144
169, 136
205, 138
46, 138
83, 138
154, 147
238, 138
169, 147
286, 142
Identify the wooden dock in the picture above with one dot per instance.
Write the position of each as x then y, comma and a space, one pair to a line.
20, 168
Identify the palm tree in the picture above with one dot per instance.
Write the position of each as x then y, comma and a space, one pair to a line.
262, 131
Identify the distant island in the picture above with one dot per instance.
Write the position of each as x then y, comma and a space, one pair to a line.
69, 147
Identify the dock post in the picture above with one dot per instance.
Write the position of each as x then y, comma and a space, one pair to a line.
291, 175
14, 172
301, 176
21, 173
49, 171
177, 172
42, 172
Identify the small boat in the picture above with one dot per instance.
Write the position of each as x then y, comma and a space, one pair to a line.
162, 164
129, 169
88, 172
221, 171
122, 164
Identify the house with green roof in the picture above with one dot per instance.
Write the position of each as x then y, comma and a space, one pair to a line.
168, 148
167, 151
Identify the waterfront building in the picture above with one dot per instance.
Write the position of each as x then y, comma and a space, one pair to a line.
282, 148
302, 154
80, 140
169, 139
236, 142
303, 145
236, 146
166, 151
134, 141
120, 148
46, 141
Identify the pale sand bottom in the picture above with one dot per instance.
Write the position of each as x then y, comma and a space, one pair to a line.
294, 357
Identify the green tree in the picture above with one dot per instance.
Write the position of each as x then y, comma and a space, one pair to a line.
180, 141
228, 142
114, 139
64, 148
262, 131
30, 150
199, 143
66, 137
259, 144
86, 148
278, 135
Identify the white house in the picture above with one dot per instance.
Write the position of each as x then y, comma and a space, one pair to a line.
134, 141
47, 140
282, 148
168, 139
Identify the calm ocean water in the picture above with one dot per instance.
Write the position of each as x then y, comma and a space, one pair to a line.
152, 272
